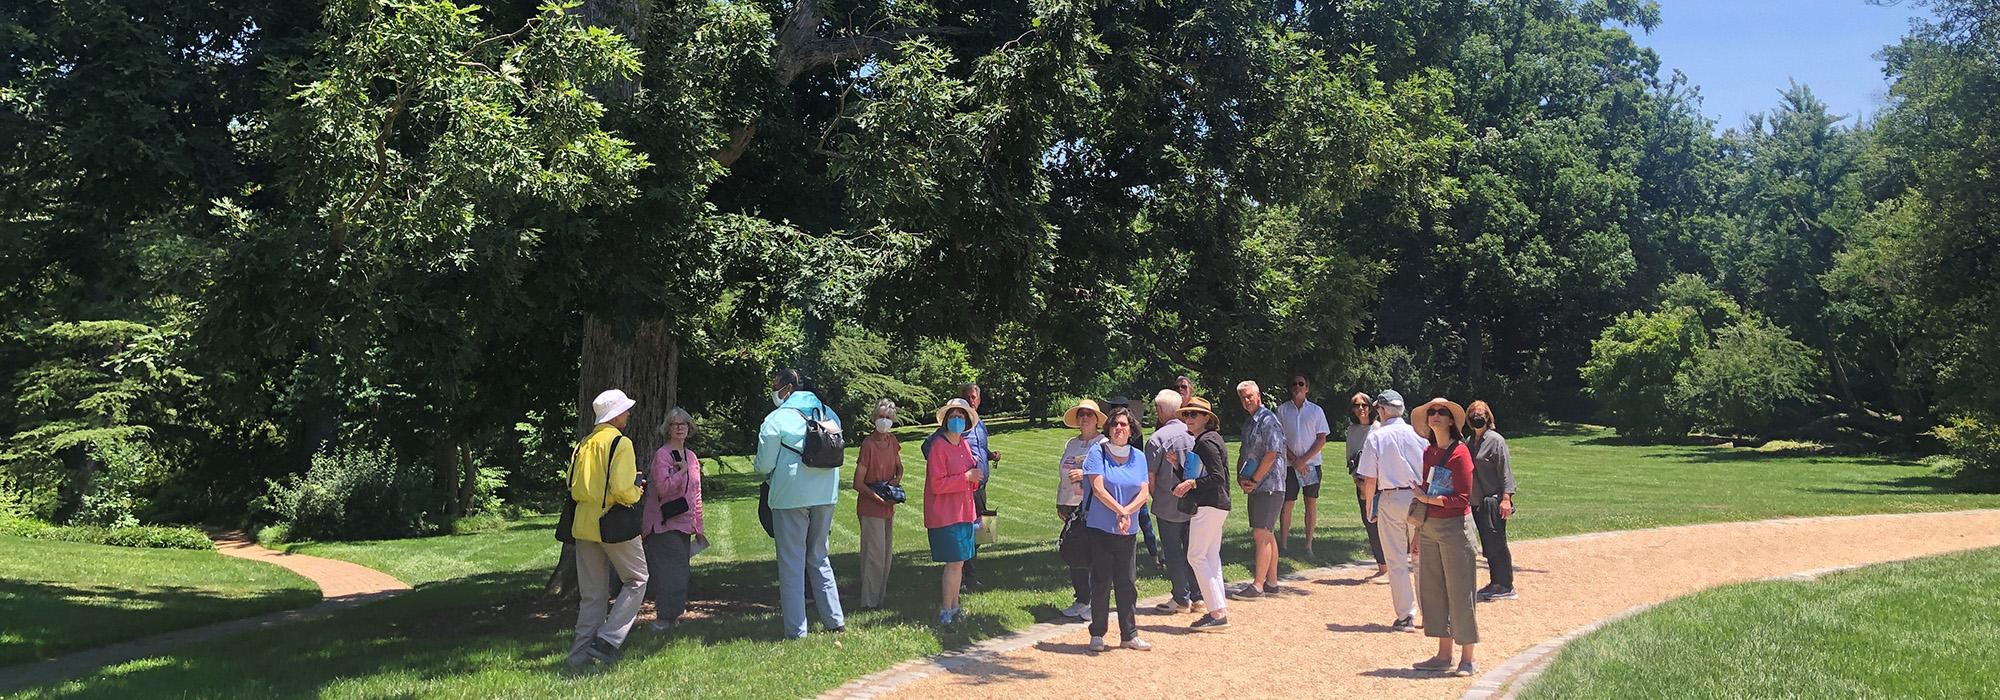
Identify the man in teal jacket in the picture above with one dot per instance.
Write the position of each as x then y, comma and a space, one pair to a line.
801, 499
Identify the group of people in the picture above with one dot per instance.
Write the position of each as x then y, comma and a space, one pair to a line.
1427, 486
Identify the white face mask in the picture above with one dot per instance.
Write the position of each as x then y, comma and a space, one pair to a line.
882, 425
777, 399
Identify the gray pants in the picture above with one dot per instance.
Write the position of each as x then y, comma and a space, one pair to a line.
1448, 567
801, 538
594, 562
667, 555
877, 547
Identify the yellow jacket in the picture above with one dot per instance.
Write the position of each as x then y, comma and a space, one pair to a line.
586, 480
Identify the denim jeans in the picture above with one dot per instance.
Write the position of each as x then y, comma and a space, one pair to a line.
1174, 539
801, 539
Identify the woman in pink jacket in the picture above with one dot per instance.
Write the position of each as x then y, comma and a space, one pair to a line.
672, 512
950, 477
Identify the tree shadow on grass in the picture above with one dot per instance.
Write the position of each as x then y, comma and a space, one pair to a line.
44, 619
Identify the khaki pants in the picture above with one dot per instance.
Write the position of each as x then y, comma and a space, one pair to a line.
1449, 569
877, 548
1391, 512
594, 562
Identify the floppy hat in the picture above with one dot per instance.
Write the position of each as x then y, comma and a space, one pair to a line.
1421, 418
1069, 416
971, 416
1197, 404
611, 403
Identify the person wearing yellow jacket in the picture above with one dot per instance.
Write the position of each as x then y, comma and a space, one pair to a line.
600, 632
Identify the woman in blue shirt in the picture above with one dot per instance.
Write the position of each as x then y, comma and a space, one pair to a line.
1117, 477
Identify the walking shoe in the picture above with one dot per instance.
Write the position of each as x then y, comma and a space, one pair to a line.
1209, 624
1246, 592
1404, 624
1197, 607
1465, 670
1077, 610
663, 625
578, 660
944, 617
603, 651
1171, 607
1275, 589
1097, 644
1137, 644
1500, 594
1435, 663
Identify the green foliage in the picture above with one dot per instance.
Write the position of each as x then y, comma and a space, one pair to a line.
142, 536
356, 493
1974, 447
1748, 379
1635, 367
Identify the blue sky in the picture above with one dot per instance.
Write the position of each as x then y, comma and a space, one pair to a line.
1742, 51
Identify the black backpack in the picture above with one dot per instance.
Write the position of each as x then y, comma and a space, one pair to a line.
825, 446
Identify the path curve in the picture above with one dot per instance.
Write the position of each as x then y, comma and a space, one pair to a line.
1334, 641
342, 585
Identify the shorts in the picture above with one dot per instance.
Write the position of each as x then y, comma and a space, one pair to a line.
1292, 486
951, 543
1264, 507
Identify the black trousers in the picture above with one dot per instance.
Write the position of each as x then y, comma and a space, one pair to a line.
1079, 576
1493, 541
1374, 534
1113, 566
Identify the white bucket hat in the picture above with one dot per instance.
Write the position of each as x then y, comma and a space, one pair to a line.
611, 403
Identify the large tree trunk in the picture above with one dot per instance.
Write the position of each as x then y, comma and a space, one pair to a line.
644, 362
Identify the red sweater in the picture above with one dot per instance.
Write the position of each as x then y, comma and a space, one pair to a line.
947, 495
1459, 503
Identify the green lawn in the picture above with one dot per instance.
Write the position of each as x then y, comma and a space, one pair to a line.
57, 597
1920, 629
475, 628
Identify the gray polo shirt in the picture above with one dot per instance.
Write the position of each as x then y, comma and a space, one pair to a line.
1169, 439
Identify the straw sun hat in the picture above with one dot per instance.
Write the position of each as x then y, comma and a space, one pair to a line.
1420, 419
1069, 416
971, 416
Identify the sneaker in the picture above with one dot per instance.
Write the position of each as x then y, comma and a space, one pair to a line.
1137, 644
603, 651
578, 660
663, 625
1465, 670
1246, 592
1077, 610
1171, 607
945, 617
1405, 624
1435, 663
1501, 594
1097, 644
1484, 590
1275, 589
1197, 607
1209, 624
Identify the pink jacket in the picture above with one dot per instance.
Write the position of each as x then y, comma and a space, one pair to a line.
671, 481
947, 496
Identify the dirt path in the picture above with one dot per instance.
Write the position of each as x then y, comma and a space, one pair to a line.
1334, 640
342, 585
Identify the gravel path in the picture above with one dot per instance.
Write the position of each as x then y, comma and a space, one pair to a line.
1334, 641
342, 585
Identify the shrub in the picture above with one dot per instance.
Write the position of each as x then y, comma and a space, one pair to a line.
1748, 379
1974, 447
144, 536
1635, 366
356, 493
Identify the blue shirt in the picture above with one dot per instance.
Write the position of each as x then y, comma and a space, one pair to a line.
1122, 481
793, 484
976, 439
1263, 435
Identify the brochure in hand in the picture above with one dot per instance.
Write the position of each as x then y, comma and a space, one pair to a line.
1440, 484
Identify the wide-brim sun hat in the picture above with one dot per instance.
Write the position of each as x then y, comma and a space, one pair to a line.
971, 416
610, 404
1196, 404
1420, 419
1069, 416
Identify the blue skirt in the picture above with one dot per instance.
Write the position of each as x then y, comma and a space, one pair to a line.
951, 543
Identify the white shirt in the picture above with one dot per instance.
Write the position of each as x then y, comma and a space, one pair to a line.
1394, 455
1304, 425
1070, 493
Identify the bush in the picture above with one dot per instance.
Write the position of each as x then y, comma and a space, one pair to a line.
144, 536
1748, 380
1974, 447
356, 493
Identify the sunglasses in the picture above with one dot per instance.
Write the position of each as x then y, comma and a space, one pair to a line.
1360, 405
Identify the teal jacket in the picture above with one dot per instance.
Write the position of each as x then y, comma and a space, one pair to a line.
794, 485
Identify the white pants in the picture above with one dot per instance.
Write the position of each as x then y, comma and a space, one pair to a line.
1391, 519
597, 615
1205, 555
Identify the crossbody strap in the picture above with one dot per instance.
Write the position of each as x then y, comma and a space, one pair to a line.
607, 470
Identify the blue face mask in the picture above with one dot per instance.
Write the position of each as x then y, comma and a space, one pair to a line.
955, 424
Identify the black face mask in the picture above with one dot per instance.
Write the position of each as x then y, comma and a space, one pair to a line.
1477, 421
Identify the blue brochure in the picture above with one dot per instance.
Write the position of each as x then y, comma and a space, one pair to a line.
1440, 485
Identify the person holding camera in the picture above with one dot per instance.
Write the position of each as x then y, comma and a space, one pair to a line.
879, 467
673, 520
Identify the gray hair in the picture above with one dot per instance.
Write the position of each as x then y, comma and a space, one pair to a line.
885, 406
1167, 403
667, 424
1248, 385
